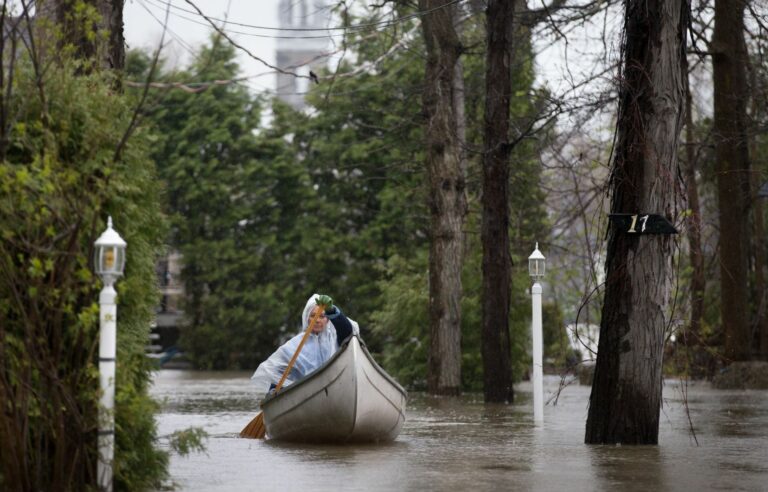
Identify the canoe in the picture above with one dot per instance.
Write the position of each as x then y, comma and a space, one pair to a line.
347, 399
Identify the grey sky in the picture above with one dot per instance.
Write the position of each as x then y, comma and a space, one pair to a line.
556, 69
187, 31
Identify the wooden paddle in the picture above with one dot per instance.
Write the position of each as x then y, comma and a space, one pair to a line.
256, 428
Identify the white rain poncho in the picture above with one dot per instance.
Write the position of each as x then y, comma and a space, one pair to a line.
316, 350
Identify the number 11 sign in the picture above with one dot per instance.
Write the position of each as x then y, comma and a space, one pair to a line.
642, 224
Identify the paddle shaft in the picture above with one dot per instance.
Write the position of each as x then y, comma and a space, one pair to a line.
255, 428
317, 312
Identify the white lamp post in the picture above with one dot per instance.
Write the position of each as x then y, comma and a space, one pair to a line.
536, 269
109, 262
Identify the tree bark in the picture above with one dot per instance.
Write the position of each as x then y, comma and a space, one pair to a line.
761, 302
692, 335
626, 391
732, 163
112, 15
760, 291
99, 39
447, 196
496, 351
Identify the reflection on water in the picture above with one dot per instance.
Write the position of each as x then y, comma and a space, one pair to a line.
462, 444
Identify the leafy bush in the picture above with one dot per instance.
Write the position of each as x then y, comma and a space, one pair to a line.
61, 175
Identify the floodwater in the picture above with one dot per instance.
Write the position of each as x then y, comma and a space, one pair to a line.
462, 444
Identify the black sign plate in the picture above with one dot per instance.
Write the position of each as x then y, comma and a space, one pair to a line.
642, 224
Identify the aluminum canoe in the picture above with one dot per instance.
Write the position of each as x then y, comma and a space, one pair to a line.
347, 399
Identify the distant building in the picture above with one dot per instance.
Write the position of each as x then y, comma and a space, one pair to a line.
169, 316
304, 51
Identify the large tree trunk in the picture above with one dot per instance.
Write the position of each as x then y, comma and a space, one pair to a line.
692, 335
760, 291
447, 198
731, 153
626, 391
112, 20
760, 294
496, 351
97, 39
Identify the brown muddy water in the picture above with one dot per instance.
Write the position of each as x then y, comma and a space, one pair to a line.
463, 444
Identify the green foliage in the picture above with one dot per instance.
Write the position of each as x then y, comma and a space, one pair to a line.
402, 323
557, 348
60, 177
238, 206
402, 327
362, 148
257, 215
188, 440
138, 464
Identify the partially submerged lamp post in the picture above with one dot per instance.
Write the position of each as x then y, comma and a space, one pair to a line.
109, 259
536, 269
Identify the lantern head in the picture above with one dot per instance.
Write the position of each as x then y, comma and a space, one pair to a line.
109, 254
536, 264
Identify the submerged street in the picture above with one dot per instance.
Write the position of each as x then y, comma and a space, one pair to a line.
463, 444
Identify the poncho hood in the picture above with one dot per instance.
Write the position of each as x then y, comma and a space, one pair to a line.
308, 308
317, 349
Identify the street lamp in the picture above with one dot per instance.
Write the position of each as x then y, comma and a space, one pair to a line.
109, 262
536, 269
536, 264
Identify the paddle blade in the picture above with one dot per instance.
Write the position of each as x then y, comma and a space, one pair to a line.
255, 428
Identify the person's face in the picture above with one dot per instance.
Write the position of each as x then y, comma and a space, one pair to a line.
321, 321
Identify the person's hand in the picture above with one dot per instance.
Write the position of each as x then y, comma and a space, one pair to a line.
324, 301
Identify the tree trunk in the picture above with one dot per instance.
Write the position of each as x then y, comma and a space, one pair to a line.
761, 302
112, 20
496, 351
447, 198
85, 32
626, 391
692, 335
732, 162
760, 294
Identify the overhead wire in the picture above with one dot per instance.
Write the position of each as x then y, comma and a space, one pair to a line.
242, 48
243, 33
175, 36
334, 28
194, 87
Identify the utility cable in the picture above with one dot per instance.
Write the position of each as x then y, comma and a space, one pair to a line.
164, 25
243, 33
344, 28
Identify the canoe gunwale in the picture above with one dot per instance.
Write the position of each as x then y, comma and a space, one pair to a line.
374, 386
317, 372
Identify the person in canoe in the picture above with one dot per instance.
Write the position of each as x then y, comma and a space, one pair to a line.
329, 331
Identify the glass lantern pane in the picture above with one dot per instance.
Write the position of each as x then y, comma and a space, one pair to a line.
120, 266
109, 259
536, 268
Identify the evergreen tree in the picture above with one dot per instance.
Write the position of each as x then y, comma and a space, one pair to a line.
364, 143
236, 201
336, 201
